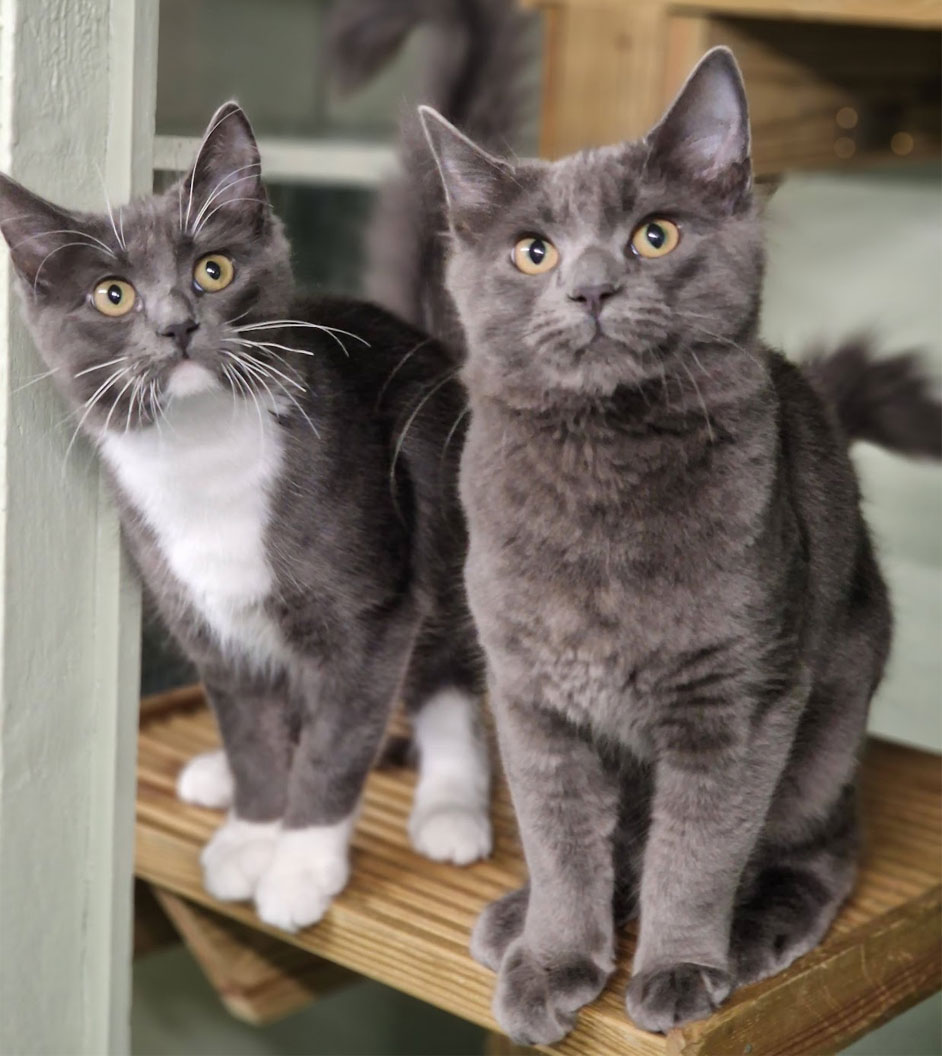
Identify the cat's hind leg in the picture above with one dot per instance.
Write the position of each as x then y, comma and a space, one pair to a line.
450, 819
792, 895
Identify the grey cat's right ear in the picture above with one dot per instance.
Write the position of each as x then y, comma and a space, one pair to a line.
34, 229
705, 132
472, 178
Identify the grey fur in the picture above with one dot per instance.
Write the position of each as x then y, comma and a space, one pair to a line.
477, 54
681, 611
366, 539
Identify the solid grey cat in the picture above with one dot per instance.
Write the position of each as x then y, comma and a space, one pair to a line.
286, 475
681, 611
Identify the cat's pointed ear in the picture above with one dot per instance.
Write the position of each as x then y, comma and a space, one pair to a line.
35, 230
472, 178
226, 174
705, 131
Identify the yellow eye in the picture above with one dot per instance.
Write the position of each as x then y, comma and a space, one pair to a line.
655, 238
213, 272
114, 297
535, 256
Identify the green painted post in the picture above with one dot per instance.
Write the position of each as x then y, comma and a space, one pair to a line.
77, 91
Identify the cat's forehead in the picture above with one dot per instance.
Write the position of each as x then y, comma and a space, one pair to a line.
595, 188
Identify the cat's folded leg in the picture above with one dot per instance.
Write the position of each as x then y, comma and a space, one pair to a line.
345, 707
566, 804
253, 717
709, 805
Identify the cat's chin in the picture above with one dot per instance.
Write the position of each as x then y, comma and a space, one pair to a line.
190, 379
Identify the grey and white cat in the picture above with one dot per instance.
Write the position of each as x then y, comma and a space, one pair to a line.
286, 476
680, 607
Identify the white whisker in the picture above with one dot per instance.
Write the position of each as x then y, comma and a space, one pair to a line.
101, 366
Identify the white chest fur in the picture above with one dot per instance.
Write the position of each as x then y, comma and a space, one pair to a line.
203, 484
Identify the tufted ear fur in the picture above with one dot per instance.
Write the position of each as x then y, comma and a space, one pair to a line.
705, 132
227, 170
37, 231
472, 178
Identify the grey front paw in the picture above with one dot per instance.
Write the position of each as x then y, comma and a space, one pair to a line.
536, 1003
667, 997
498, 925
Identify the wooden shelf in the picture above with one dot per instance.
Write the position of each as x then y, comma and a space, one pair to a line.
405, 921
831, 83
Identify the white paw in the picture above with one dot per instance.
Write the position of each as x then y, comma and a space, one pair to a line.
450, 832
206, 781
310, 866
236, 856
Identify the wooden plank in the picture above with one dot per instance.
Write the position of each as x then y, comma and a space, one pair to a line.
603, 70
258, 978
915, 14
152, 928
880, 957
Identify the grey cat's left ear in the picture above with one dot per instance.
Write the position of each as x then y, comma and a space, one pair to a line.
227, 170
706, 129
37, 232
472, 178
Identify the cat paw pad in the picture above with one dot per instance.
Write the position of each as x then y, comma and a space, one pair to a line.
236, 856
450, 832
663, 998
309, 868
536, 1001
206, 781
498, 925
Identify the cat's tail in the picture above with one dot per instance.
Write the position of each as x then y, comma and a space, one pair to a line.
886, 400
477, 71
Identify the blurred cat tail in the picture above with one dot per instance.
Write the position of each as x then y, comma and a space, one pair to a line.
886, 400
480, 75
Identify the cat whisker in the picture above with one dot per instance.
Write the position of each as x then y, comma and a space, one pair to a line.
101, 366
114, 226
39, 377
450, 376
402, 362
209, 131
274, 370
222, 205
263, 345
277, 324
116, 401
451, 432
89, 405
222, 186
90, 240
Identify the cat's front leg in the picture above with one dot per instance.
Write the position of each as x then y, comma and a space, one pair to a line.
252, 713
708, 809
566, 804
345, 704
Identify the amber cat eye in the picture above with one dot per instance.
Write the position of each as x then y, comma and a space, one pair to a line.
114, 297
655, 238
213, 272
535, 256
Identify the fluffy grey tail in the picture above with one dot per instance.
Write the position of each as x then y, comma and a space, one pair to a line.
478, 58
888, 400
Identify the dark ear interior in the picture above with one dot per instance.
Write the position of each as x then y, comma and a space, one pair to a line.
227, 170
472, 178
705, 132
40, 233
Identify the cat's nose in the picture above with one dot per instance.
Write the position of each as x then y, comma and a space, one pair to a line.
594, 296
181, 333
